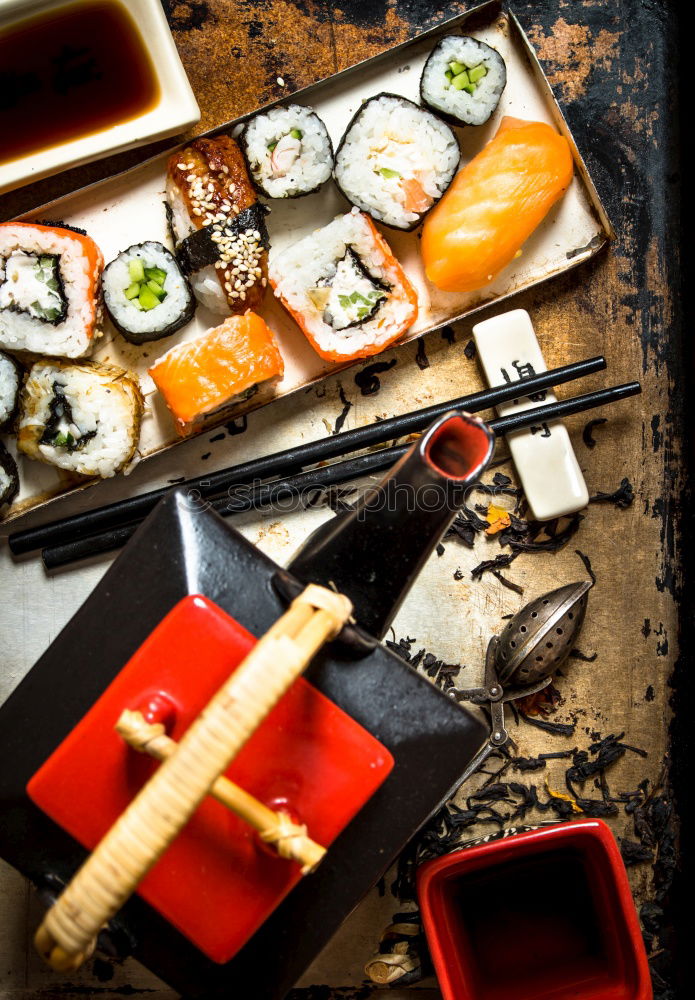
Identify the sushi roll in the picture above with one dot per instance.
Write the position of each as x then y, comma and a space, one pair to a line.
203, 378
49, 281
145, 293
9, 477
10, 384
395, 160
218, 225
81, 417
463, 80
345, 289
288, 151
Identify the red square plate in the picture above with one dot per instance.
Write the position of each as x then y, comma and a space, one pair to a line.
216, 883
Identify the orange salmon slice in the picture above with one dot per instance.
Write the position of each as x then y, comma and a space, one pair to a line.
205, 375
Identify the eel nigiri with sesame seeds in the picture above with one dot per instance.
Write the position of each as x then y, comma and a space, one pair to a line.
494, 204
203, 378
218, 225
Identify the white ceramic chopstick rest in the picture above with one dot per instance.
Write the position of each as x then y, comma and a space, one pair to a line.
543, 455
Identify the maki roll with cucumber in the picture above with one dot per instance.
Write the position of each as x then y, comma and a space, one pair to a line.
9, 477
82, 417
288, 151
146, 294
49, 280
10, 384
463, 80
395, 160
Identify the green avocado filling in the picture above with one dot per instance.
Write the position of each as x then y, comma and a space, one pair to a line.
466, 78
146, 288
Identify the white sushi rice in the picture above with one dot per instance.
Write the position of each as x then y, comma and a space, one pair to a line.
9, 387
300, 168
117, 279
393, 135
102, 399
438, 92
301, 267
205, 282
21, 332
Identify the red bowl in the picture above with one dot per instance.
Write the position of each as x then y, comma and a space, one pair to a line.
542, 915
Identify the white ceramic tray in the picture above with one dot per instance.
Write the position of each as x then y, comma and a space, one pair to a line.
129, 208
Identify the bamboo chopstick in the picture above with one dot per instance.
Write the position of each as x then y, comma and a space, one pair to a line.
295, 486
284, 463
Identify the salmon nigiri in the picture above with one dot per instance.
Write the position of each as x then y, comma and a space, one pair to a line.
494, 204
205, 376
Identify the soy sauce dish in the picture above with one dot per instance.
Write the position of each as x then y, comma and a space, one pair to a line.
84, 78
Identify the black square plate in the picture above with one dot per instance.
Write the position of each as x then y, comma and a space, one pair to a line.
176, 552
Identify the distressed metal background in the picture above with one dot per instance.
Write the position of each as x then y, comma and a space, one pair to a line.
613, 69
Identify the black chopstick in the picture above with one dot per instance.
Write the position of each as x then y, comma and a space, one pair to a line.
304, 483
282, 463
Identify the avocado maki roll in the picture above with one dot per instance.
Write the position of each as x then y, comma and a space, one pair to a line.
288, 151
10, 384
9, 477
463, 80
146, 293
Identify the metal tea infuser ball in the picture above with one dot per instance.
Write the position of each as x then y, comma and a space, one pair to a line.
522, 660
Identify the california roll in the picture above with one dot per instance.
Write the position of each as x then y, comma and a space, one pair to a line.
395, 160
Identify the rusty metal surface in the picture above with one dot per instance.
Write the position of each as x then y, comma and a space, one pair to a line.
612, 68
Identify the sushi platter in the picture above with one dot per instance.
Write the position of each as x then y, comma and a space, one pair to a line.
138, 218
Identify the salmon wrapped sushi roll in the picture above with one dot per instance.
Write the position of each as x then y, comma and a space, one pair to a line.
49, 289
218, 225
345, 289
203, 378
494, 204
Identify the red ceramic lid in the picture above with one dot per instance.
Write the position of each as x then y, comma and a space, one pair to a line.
216, 883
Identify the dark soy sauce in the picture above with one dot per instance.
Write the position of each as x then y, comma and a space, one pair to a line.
70, 72
531, 929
